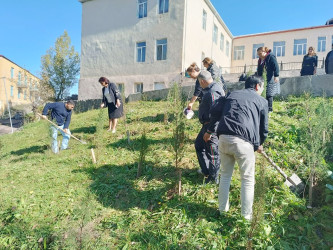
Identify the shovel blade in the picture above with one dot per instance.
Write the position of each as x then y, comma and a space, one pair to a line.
295, 179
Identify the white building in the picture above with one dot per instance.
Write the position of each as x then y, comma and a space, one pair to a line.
146, 44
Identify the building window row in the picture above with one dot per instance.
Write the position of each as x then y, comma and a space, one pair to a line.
161, 50
163, 7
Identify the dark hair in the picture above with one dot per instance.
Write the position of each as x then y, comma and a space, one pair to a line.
71, 102
103, 79
208, 61
265, 49
193, 67
253, 80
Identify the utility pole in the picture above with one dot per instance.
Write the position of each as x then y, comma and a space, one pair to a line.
10, 116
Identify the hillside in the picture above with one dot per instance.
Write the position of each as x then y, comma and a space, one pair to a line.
65, 201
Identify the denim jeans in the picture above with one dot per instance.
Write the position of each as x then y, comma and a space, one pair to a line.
234, 149
54, 134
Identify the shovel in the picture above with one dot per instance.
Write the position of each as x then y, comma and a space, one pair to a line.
83, 142
294, 183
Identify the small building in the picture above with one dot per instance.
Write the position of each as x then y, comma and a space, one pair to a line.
17, 85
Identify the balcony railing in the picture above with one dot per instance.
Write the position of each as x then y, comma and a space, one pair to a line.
21, 85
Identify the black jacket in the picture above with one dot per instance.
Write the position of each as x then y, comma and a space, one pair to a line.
210, 94
59, 113
271, 65
114, 93
243, 113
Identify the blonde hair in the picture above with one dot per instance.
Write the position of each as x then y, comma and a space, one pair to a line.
314, 53
208, 60
265, 49
193, 67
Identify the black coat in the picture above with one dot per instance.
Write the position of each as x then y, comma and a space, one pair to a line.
271, 65
114, 93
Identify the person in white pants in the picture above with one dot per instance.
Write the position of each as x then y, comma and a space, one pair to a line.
241, 122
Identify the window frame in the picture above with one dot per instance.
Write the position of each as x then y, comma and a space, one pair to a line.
279, 45
164, 48
165, 7
136, 84
215, 33
255, 46
204, 19
300, 44
221, 42
142, 50
321, 43
239, 52
144, 5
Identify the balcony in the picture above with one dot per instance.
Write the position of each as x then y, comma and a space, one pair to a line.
21, 85
33, 89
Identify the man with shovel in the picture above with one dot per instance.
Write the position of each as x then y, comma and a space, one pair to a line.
62, 113
241, 122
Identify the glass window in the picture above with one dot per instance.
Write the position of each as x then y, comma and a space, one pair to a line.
11, 73
254, 50
139, 87
121, 87
321, 43
25, 80
142, 8
159, 85
141, 52
163, 6
222, 42
215, 32
239, 52
300, 46
227, 48
18, 93
279, 48
25, 95
19, 77
11, 91
204, 19
161, 49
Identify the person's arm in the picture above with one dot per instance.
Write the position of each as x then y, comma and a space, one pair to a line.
276, 69
103, 104
197, 92
116, 93
46, 109
68, 121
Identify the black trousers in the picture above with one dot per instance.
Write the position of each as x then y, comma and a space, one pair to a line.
270, 103
208, 154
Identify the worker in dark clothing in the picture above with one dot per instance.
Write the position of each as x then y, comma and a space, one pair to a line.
207, 152
62, 113
241, 122
329, 62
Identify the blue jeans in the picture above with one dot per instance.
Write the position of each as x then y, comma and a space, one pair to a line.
65, 138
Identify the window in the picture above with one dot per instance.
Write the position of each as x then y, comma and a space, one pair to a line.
121, 87
159, 85
138, 87
203, 56
204, 19
11, 73
322, 43
11, 91
222, 42
161, 49
279, 48
25, 95
227, 48
239, 52
25, 80
141, 52
142, 8
18, 93
163, 6
254, 50
215, 32
19, 77
300, 47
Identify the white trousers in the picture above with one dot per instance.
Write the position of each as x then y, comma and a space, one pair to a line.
233, 149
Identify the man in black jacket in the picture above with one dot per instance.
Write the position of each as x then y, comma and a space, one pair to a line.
329, 62
241, 122
207, 152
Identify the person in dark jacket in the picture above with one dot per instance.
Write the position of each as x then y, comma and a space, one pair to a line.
211, 67
241, 122
112, 100
207, 152
268, 62
310, 62
329, 62
61, 113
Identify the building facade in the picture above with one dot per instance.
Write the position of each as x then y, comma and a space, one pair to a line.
147, 44
17, 85
289, 46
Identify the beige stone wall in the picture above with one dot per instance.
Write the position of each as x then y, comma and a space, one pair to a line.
27, 85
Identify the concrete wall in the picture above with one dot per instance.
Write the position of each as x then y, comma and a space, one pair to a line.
311, 34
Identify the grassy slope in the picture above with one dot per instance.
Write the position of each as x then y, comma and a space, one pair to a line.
65, 201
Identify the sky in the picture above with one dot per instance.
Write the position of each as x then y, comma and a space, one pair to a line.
30, 27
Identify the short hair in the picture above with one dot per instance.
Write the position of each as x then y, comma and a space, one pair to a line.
205, 75
265, 49
71, 102
103, 79
193, 67
253, 80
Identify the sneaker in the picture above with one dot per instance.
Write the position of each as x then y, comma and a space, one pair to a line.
113, 131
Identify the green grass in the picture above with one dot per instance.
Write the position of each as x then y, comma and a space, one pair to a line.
65, 201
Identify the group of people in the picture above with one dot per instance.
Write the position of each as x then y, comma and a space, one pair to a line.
234, 126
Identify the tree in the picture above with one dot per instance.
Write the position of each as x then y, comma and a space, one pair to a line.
61, 66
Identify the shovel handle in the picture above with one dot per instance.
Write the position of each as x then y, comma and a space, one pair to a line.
62, 129
276, 167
